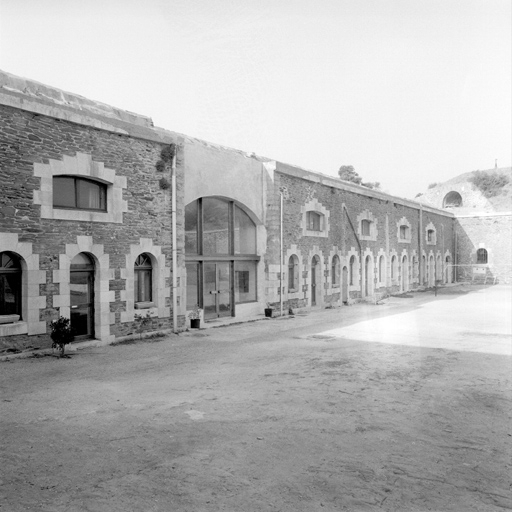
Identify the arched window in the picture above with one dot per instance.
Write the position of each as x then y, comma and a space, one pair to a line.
79, 193
452, 200
481, 256
394, 269
293, 273
143, 272
10, 284
335, 270
352, 270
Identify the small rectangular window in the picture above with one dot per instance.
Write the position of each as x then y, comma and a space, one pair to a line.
314, 221
365, 228
245, 281
430, 235
403, 232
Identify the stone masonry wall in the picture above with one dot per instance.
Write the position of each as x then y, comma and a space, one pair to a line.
492, 233
341, 237
29, 139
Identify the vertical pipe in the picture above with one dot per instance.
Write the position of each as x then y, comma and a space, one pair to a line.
174, 248
281, 256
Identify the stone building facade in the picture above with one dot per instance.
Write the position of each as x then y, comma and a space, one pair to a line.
105, 219
483, 226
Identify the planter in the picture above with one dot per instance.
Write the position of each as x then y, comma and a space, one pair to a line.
9, 319
195, 323
268, 312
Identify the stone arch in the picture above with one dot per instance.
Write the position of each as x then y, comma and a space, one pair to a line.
103, 318
160, 276
31, 278
452, 200
368, 274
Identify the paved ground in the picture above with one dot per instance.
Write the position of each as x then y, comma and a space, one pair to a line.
404, 406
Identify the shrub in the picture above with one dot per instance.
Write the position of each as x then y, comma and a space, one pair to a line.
432, 185
61, 333
490, 184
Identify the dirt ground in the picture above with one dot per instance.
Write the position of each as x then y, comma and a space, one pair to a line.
404, 406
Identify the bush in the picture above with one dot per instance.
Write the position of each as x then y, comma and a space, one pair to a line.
61, 333
490, 184
432, 185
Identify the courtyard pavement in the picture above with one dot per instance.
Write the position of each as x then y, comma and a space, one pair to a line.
401, 406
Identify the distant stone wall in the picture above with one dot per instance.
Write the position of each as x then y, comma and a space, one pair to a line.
492, 233
344, 209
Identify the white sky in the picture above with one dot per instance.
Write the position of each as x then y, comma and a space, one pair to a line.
409, 92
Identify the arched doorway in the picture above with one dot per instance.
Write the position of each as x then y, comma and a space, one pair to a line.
405, 274
344, 285
315, 271
81, 288
448, 270
431, 271
368, 276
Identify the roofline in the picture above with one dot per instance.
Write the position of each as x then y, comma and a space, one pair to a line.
337, 183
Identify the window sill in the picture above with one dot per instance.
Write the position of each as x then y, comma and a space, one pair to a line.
9, 319
144, 305
13, 329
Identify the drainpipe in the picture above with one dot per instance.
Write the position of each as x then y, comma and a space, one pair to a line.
455, 259
420, 247
281, 257
174, 248
360, 249
442, 255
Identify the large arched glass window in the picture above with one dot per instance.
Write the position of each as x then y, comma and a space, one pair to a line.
293, 273
221, 259
143, 276
335, 270
10, 284
481, 256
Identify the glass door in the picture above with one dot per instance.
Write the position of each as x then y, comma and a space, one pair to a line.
81, 288
217, 289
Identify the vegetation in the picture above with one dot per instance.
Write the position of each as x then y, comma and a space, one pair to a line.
61, 333
347, 173
490, 184
432, 185
142, 321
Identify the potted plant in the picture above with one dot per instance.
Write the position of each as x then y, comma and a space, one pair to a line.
195, 317
61, 333
269, 310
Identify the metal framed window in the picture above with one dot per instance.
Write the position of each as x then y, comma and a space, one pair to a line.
314, 221
10, 284
481, 256
79, 193
143, 275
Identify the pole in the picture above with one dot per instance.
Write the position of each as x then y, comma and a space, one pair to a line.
174, 248
281, 257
